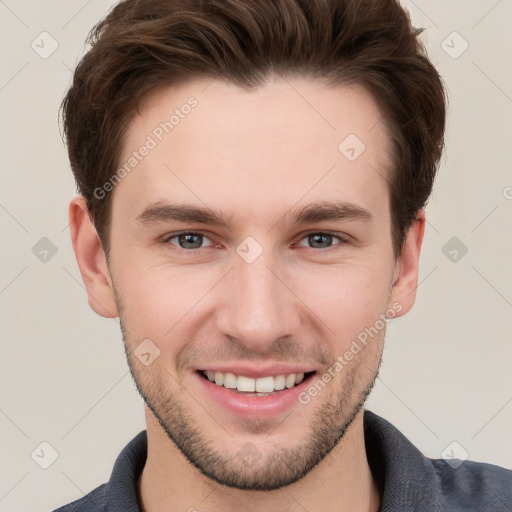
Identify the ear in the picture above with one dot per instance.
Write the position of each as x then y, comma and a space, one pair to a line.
405, 277
91, 260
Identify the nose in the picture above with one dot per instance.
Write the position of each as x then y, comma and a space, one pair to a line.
257, 307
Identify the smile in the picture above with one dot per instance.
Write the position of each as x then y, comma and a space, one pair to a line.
261, 386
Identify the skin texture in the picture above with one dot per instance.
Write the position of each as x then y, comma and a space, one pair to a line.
255, 156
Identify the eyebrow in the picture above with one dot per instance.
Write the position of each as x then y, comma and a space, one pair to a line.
314, 212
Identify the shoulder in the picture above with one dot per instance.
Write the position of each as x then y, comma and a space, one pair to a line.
475, 485
412, 481
120, 492
95, 501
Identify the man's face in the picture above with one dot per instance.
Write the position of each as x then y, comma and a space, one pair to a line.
263, 295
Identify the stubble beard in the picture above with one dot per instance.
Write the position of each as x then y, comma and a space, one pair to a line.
249, 469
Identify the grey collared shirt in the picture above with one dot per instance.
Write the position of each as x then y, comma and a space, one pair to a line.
410, 481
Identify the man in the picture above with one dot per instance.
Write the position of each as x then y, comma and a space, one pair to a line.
252, 179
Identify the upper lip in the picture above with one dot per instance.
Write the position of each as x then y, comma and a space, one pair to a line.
258, 371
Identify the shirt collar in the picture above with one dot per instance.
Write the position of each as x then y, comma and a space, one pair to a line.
409, 479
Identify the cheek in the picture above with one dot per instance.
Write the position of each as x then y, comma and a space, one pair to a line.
347, 298
158, 299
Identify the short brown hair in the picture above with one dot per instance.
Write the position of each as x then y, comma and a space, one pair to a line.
145, 44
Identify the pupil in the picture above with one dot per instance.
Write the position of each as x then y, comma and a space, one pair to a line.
189, 239
319, 237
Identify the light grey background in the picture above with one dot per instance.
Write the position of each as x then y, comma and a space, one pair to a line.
63, 376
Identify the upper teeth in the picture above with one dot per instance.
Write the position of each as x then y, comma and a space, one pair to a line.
262, 385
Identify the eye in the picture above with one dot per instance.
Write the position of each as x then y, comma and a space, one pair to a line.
193, 240
187, 240
321, 240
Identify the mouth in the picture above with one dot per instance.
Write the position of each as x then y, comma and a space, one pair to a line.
260, 387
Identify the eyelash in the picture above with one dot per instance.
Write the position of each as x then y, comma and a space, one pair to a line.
344, 239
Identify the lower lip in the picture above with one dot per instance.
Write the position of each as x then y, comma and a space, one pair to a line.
253, 407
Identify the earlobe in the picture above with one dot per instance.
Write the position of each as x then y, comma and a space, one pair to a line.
406, 269
91, 260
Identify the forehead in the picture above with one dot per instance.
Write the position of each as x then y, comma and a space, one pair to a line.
255, 151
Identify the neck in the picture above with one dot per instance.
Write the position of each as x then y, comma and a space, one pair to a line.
342, 482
